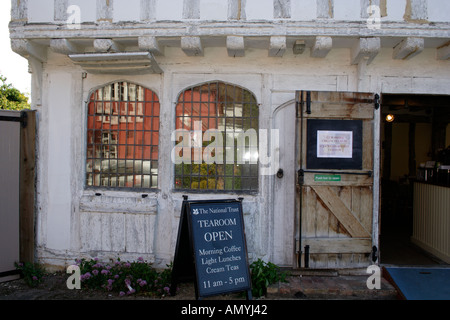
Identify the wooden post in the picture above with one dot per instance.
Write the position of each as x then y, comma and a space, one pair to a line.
27, 186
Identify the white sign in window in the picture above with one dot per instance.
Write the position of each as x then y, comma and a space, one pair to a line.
335, 144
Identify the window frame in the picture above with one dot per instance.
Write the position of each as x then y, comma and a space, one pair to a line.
153, 147
253, 118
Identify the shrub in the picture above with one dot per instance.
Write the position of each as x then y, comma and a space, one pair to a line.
125, 277
263, 275
32, 273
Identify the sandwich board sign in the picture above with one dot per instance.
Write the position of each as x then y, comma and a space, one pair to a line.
211, 248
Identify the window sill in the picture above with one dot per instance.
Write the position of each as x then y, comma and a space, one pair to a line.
119, 202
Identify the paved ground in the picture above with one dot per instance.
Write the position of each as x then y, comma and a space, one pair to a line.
331, 288
298, 287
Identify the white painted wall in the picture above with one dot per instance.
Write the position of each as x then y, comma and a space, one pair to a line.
215, 10
59, 161
172, 10
88, 9
169, 9
304, 10
74, 223
127, 10
40, 10
259, 9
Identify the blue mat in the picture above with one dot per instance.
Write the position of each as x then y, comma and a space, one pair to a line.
421, 283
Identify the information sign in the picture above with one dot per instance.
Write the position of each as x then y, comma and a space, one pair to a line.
218, 247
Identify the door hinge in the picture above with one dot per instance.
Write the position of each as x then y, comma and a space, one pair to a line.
377, 101
308, 102
374, 253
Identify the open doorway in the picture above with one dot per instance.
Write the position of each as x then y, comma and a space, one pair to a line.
415, 134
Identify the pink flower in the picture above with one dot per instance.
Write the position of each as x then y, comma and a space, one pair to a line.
85, 276
142, 283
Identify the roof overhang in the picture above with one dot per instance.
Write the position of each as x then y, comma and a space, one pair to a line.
122, 63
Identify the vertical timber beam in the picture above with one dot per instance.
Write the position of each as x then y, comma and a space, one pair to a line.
27, 188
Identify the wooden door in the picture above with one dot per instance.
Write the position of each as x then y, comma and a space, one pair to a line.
336, 161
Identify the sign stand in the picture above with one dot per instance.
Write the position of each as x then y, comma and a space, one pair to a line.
211, 248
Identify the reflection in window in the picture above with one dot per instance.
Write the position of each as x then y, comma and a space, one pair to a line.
233, 112
122, 137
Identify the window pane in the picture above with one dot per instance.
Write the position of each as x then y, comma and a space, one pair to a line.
229, 157
118, 131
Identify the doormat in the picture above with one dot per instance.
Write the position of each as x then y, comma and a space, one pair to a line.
421, 283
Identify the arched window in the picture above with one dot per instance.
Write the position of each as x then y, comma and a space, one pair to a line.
217, 138
122, 137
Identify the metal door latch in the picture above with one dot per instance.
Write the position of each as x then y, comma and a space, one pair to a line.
280, 173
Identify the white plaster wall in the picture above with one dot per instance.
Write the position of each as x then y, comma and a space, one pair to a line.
129, 10
41, 11
169, 9
259, 9
214, 10
439, 10
172, 10
304, 10
74, 222
88, 9
59, 159
347, 10
395, 10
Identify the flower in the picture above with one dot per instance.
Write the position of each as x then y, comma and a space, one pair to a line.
142, 283
104, 271
121, 293
35, 278
95, 272
85, 276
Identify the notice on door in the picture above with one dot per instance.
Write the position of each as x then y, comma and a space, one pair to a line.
334, 144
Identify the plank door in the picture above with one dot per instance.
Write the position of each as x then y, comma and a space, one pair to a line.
336, 156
